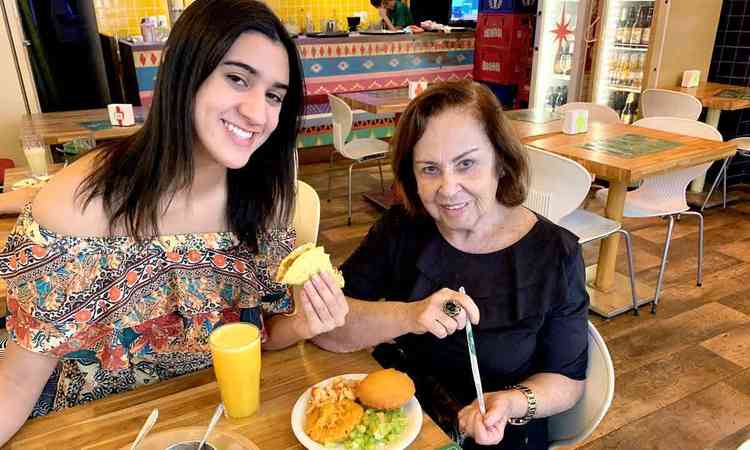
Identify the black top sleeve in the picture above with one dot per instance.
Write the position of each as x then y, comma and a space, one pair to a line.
368, 270
384, 264
563, 339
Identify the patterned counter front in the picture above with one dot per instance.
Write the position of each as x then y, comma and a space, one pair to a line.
350, 64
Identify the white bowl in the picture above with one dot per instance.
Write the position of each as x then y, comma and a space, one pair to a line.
412, 409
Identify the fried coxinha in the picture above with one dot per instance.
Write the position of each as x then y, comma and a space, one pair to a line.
304, 262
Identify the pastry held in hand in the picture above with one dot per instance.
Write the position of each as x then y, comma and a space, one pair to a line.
304, 262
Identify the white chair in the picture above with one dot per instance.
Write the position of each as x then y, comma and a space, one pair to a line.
597, 112
743, 149
576, 424
664, 195
557, 188
306, 214
356, 150
665, 103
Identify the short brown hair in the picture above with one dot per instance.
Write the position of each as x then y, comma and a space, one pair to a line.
476, 98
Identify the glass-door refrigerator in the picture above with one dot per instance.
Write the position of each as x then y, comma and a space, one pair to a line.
559, 52
623, 55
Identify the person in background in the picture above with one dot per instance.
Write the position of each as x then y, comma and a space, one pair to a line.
463, 173
395, 15
121, 266
434, 10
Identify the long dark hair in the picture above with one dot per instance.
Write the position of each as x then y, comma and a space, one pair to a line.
134, 177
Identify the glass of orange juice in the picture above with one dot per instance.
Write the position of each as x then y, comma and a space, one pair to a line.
235, 349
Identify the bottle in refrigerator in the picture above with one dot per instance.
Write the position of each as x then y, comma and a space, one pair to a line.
629, 110
633, 72
628, 26
622, 69
612, 67
551, 98
646, 33
621, 25
638, 71
637, 30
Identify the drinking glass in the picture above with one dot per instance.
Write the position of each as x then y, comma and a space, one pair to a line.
37, 155
566, 61
235, 349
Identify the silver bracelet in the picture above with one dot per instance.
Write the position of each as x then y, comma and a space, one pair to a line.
530, 405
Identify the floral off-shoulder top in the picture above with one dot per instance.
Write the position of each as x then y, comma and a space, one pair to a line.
121, 313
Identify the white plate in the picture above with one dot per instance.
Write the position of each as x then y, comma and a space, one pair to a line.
31, 182
25, 183
412, 408
744, 446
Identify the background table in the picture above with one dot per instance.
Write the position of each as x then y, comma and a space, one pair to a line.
610, 293
383, 101
62, 127
708, 94
16, 174
190, 400
531, 128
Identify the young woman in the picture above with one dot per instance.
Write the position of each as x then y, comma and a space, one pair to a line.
120, 268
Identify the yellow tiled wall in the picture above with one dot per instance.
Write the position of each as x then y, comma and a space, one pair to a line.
294, 10
122, 17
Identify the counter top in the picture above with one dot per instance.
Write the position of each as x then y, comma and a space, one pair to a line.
353, 37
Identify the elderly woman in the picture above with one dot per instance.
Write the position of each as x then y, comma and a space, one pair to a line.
463, 175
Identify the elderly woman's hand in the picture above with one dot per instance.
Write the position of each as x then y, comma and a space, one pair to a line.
487, 429
429, 316
322, 304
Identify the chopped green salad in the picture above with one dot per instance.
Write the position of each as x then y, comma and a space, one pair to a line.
377, 429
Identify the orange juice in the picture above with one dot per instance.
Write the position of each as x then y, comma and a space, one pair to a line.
235, 349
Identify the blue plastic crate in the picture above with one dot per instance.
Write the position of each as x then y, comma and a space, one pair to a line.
505, 93
507, 6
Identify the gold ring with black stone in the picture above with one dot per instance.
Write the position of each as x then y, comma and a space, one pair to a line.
451, 308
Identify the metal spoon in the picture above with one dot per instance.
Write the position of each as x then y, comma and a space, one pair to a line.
214, 421
145, 428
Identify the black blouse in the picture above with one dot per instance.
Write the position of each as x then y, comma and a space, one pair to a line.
531, 297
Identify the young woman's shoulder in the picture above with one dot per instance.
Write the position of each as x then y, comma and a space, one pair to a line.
57, 207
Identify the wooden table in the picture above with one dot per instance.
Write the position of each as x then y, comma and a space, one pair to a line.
190, 400
708, 94
384, 101
61, 127
611, 296
17, 174
532, 124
